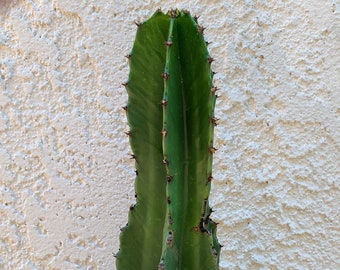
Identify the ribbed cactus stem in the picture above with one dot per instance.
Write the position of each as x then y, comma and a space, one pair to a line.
171, 116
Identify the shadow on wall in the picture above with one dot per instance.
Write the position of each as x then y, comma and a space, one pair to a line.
5, 5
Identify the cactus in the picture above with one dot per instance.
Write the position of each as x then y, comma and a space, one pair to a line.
170, 112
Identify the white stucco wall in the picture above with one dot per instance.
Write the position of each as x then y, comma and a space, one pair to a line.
66, 180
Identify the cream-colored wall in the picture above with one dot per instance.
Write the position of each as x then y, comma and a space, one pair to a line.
66, 180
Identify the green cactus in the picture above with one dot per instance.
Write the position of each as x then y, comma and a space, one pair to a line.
171, 117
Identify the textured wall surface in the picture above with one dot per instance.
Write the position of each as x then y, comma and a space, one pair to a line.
66, 180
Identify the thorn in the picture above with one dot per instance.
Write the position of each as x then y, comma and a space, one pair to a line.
165, 75
168, 200
128, 56
168, 43
138, 23
173, 13
132, 207
201, 28
214, 252
161, 265
125, 84
135, 195
210, 178
125, 108
169, 178
210, 59
208, 42
159, 10
196, 18
164, 132
136, 172
196, 229
132, 156
214, 89
212, 150
171, 221
164, 102
165, 162
129, 133
214, 120
214, 73
170, 238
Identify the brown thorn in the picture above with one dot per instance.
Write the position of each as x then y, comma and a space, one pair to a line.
201, 29
128, 56
138, 23
168, 43
165, 75
212, 150
125, 108
165, 162
210, 59
171, 221
164, 132
169, 178
129, 133
164, 102
125, 84
214, 89
168, 200
214, 120
210, 178
132, 156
